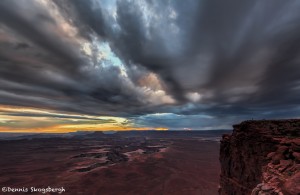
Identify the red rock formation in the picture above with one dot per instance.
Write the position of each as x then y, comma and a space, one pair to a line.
261, 157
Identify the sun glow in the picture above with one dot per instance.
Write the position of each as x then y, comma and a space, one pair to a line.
23, 119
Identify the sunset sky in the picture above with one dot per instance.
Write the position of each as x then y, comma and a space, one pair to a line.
69, 65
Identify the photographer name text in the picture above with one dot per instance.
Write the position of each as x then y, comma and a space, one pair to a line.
45, 190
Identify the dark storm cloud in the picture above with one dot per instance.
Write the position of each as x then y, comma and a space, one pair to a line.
245, 52
42, 66
230, 50
222, 59
36, 27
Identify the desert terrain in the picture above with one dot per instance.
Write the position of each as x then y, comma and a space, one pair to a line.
111, 164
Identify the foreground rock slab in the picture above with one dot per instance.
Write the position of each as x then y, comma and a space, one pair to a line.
261, 158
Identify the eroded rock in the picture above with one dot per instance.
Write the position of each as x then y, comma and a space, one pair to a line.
261, 157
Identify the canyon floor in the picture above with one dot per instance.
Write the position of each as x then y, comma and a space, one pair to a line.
95, 163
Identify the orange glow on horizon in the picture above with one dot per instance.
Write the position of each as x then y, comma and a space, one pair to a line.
32, 120
62, 129
161, 129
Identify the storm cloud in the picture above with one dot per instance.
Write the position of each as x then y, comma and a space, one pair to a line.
200, 64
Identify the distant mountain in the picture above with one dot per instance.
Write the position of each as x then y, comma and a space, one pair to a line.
101, 134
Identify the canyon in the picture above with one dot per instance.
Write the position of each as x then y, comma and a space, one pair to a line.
127, 163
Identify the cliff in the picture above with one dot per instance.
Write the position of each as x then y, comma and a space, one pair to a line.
261, 157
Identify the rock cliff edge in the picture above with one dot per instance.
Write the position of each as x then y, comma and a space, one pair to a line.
261, 158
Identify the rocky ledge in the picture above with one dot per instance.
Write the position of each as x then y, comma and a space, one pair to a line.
261, 158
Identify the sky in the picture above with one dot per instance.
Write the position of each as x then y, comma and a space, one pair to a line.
69, 65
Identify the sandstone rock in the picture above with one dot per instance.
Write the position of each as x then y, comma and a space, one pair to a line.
276, 158
261, 152
266, 188
275, 180
297, 141
261, 193
285, 141
297, 156
270, 155
292, 185
255, 191
293, 169
284, 164
259, 185
282, 149
295, 147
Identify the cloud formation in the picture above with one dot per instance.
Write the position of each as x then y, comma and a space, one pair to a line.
203, 63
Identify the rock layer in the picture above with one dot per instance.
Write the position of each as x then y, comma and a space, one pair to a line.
261, 157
